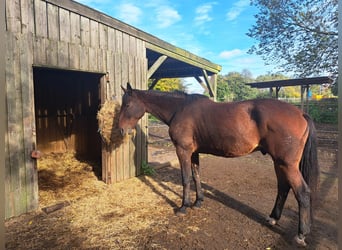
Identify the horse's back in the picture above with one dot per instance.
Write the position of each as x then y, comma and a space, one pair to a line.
236, 128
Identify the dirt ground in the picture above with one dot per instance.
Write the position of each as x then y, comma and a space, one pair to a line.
139, 213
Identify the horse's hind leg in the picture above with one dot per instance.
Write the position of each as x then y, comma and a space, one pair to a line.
196, 177
294, 179
283, 191
302, 194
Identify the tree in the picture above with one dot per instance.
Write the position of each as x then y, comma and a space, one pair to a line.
169, 84
271, 77
299, 36
232, 87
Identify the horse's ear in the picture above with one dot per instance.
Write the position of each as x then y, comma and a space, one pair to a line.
128, 90
129, 87
124, 90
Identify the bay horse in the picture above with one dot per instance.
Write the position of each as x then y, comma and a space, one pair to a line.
200, 125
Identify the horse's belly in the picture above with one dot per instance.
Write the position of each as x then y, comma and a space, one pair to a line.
230, 150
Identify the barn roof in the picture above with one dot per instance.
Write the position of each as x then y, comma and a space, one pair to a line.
164, 59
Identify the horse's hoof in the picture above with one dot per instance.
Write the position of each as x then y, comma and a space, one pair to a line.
181, 211
271, 221
300, 240
197, 205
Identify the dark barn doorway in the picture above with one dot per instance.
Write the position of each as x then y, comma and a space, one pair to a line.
66, 105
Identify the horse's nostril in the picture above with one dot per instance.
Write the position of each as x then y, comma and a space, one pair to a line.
122, 131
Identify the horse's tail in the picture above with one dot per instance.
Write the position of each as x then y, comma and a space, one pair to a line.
309, 164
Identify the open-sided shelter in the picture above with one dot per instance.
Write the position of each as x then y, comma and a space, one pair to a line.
304, 84
63, 60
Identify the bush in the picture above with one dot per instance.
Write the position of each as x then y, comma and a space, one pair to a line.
324, 111
147, 169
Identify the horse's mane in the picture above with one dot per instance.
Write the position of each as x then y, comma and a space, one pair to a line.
179, 94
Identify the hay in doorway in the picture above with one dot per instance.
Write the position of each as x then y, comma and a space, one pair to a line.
62, 177
108, 118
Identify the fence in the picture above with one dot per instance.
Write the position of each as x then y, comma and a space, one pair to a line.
321, 111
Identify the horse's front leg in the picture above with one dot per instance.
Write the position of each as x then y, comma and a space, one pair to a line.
184, 157
196, 177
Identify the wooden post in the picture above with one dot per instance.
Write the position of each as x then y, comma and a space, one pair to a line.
307, 98
302, 89
277, 92
206, 78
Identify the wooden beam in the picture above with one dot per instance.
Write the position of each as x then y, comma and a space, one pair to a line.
155, 66
186, 57
199, 80
154, 83
205, 75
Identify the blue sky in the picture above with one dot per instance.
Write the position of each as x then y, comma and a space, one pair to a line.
215, 30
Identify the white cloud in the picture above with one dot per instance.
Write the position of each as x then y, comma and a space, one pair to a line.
227, 54
251, 62
155, 3
237, 9
130, 13
202, 13
166, 16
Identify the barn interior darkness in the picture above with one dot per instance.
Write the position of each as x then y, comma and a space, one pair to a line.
66, 105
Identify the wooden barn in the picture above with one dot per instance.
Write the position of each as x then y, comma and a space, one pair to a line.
63, 60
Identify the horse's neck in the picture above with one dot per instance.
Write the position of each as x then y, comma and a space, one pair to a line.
162, 107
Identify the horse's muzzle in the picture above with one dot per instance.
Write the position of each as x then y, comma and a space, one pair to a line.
127, 131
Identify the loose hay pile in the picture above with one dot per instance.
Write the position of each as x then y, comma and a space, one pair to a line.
62, 177
98, 216
108, 117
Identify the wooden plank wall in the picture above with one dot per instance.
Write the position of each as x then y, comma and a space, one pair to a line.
43, 34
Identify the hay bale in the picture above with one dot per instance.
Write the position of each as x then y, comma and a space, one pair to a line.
108, 118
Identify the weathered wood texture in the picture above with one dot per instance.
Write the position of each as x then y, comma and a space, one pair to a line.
42, 33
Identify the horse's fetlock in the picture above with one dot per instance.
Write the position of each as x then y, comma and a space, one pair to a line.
271, 221
300, 240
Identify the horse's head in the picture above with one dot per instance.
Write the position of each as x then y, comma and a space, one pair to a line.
132, 109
